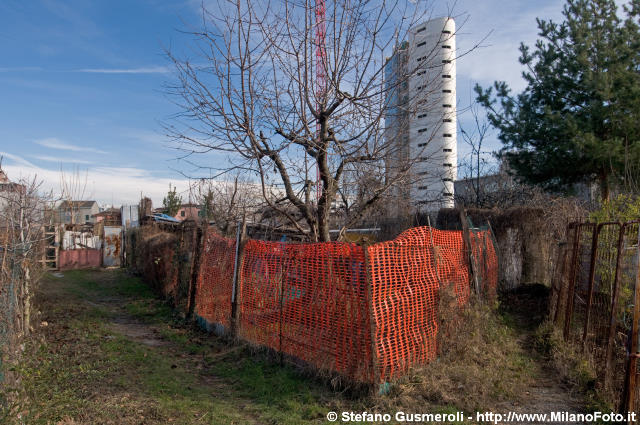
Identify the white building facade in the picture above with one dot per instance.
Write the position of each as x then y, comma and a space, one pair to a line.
421, 117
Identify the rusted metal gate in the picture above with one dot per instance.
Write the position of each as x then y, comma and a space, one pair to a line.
112, 246
596, 293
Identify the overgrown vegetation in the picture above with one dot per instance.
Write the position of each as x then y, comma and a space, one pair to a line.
480, 362
484, 363
623, 207
572, 364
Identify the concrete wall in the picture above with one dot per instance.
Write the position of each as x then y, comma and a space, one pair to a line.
526, 247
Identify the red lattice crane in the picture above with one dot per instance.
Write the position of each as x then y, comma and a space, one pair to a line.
321, 76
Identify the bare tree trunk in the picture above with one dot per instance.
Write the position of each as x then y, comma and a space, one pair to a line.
257, 99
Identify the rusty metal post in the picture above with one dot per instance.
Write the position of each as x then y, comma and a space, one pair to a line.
630, 383
592, 272
614, 306
557, 283
572, 282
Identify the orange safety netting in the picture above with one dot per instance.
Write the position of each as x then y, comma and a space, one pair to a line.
314, 302
406, 274
215, 280
308, 301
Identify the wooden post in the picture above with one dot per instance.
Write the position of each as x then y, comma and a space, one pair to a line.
375, 372
201, 238
283, 277
467, 246
235, 288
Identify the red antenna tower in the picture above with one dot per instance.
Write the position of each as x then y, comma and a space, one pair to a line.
321, 76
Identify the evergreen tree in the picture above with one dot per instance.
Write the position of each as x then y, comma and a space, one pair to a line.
172, 202
206, 211
578, 119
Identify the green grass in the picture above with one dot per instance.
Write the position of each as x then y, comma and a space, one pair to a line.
81, 370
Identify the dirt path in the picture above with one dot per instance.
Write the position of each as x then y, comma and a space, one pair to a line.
548, 393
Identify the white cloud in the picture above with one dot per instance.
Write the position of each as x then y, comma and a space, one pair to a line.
15, 158
55, 143
143, 70
62, 160
515, 23
106, 185
147, 136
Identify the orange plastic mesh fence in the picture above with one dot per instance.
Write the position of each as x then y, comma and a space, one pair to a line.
406, 274
215, 280
308, 301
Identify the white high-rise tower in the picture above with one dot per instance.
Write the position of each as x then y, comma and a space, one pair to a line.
421, 116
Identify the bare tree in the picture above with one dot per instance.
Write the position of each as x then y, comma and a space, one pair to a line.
475, 165
22, 219
296, 102
73, 187
228, 202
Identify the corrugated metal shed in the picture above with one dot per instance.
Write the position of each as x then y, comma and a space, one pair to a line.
130, 216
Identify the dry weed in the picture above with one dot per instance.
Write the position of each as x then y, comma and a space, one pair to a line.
480, 361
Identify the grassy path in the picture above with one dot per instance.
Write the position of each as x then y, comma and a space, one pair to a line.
107, 351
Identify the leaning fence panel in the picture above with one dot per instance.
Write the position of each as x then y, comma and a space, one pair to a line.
406, 275
596, 300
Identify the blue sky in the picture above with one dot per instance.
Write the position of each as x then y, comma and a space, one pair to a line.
81, 83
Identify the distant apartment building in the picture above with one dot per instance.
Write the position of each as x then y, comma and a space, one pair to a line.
188, 212
110, 217
420, 122
78, 212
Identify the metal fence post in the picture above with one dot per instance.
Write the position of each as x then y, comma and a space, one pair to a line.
629, 394
614, 306
572, 281
592, 272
